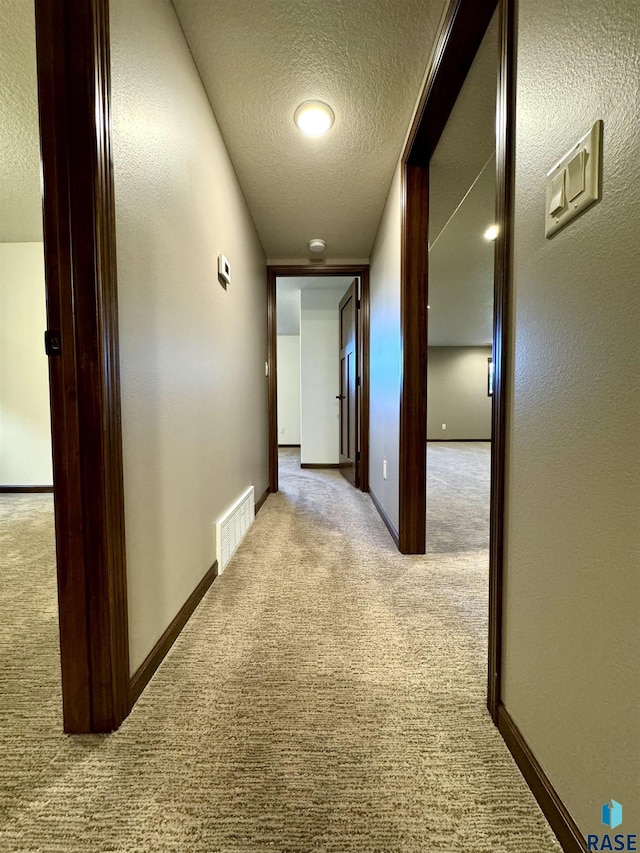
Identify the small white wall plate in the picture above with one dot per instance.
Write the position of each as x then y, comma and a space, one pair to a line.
573, 184
224, 269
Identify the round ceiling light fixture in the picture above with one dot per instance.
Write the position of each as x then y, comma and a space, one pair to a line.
314, 117
491, 233
317, 245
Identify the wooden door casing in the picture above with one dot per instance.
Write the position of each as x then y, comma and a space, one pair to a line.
348, 319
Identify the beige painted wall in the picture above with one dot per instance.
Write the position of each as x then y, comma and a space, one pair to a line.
194, 396
457, 393
25, 426
572, 576
288, 359
320, 376
385, 359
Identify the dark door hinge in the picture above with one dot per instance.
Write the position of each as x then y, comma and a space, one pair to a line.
52, 342
357, 455
357, 380
357, 303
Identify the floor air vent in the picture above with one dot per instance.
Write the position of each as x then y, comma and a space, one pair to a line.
232, 527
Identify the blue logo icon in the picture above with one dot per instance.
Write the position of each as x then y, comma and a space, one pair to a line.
612, 814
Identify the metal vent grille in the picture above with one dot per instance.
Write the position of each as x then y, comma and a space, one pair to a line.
232, 527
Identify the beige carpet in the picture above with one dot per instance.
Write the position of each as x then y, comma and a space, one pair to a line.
458, 485
328, 695
30, 711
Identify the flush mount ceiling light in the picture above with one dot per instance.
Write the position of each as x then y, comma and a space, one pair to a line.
317, 245
314, 117
491, 233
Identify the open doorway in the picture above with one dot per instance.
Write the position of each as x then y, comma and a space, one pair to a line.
309, 384
25, 429
462, 193
458, 44
318, 370
29, 621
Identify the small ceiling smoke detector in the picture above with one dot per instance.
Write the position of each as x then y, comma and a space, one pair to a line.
317, 245
314, 117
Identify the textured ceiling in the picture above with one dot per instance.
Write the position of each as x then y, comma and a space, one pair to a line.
20, 200
288, 297
259, 59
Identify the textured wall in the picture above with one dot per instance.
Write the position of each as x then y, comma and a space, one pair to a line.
384, 430
320, 376
20, 199
457, 393
572, 594
194, 402
288, 389
25, 425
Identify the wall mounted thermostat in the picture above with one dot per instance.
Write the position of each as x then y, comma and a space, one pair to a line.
573, 184
224, 270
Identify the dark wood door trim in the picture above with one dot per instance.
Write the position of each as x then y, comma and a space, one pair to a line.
362, 271
412, 514
350, 409
457, 43
80, 268
364, 355
503, 277
272, 379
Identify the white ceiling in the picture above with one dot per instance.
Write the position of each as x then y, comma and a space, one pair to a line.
461, 208
259, 59
288, 297
20, 200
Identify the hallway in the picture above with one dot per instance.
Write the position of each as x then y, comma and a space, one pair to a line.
328, 695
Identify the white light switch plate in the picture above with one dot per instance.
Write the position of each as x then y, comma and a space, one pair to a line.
574, 182
224, 270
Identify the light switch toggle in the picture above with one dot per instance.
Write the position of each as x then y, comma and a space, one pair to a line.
572, 184
575, 175
557, 194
